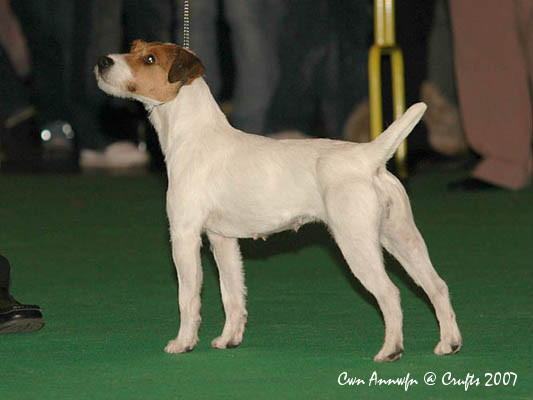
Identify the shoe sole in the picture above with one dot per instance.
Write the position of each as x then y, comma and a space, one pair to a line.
21, 325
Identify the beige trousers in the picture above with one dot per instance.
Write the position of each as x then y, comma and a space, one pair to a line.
493, 56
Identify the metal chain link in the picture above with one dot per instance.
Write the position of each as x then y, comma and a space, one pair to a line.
186, 30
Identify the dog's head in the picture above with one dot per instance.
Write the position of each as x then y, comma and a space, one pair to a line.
152, 73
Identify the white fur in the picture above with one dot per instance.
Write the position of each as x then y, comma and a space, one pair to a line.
230, 185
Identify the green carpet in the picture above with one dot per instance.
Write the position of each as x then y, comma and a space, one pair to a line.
94, 253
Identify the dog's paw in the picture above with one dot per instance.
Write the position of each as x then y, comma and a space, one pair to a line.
386, 355
223, 343
445, 348
176, 346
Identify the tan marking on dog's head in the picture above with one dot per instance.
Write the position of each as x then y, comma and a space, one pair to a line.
160, 69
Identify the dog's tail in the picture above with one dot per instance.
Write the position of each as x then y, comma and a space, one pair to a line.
386, 144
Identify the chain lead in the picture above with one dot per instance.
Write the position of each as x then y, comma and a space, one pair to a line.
186, 31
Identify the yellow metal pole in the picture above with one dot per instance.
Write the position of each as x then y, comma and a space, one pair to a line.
390, 29
375, 101
398, 101
385, 44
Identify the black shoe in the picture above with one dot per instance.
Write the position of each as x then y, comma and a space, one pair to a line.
18, 318
430, 160
471, 185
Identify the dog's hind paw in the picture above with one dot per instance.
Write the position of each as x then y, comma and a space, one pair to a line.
389, 354
390, 357
175, 347
221, 343
445, 348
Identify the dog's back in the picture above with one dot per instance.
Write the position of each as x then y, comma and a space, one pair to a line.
233, 185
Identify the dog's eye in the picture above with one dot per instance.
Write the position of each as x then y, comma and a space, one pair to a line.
149, 59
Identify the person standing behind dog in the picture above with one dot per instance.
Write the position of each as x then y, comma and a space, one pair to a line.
254, 27
64, 38
493, 60
323, 50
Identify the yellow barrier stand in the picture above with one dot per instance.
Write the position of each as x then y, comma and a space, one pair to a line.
385, 44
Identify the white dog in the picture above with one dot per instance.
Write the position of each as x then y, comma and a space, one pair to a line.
230, 185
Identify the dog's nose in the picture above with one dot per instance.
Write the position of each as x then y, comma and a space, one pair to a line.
104, 62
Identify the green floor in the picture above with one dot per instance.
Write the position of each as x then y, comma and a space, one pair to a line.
94, 253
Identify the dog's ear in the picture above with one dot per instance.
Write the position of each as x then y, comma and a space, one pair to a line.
186, 67
136, 45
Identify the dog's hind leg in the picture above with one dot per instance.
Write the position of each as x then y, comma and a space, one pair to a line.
229, 262
353, 218
186, 255
402, 239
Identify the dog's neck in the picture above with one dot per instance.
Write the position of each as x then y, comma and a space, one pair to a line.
192, 112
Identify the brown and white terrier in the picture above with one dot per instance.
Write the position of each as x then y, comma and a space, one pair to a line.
230, 185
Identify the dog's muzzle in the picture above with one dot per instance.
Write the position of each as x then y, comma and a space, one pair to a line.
104, 63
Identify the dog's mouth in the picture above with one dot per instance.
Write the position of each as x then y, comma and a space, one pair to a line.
106, 86
100, 78
97, 72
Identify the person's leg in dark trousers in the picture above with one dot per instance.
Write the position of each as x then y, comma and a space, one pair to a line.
204, 40
19, 143
345, 73
301, 56
15, 317
55, 30
14, 95
47, 27
97, 31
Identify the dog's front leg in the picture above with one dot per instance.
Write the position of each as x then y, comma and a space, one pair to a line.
229, 262
186, 255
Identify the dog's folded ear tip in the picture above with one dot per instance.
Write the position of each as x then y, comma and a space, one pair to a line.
185, 68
